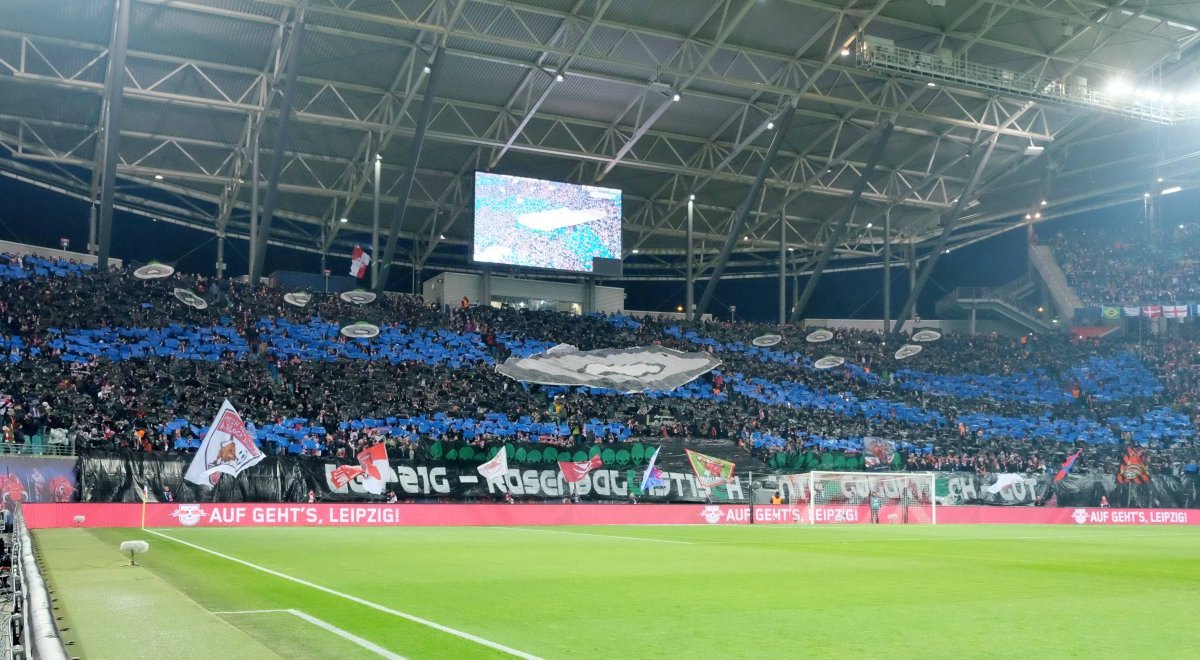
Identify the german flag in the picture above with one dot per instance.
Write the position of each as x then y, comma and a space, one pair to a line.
1133, 468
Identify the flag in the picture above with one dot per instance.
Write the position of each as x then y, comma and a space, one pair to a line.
227, 448
143, 492
653, 478
374, 463
344, 474
710, 471
1175, 311
1067, 465
1193, 310
495, 469
1152, 311
575, 472
1005, 480
1110, 312
1133, 468
359, 260
1132, 311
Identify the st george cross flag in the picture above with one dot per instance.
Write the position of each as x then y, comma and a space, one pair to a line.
344, 474
1132, 311
653, 478
227, 448
495, 469
1152, 311
575, 472
1067, 465
374, 462
359, 260
1175, 311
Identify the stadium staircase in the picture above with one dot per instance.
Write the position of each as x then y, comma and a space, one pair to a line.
1065, 301
1003, 302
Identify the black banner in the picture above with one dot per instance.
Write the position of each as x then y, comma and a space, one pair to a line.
115, 476
1076, 490
448, 474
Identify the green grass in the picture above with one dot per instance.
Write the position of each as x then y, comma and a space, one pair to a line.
745, 592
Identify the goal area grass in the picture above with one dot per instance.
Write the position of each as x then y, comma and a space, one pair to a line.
625, 592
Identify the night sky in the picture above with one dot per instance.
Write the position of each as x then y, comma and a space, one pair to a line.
29, 214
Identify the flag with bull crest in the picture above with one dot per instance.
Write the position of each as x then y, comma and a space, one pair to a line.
227, 448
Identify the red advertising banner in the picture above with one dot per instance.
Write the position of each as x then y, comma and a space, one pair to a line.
163, 515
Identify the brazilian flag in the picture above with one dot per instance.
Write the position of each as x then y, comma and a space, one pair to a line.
1110, 312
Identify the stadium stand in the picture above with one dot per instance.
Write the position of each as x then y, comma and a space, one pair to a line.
104, 360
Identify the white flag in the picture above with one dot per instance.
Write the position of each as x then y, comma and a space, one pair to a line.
1003, 481
227, 448
495, 469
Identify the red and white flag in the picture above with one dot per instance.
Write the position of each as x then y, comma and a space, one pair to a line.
374, 463
1175, 311
574, 472
495, 469
344, 474
1152, 311
227, 448
359, 260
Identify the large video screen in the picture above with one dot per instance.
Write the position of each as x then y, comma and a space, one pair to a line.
545, 224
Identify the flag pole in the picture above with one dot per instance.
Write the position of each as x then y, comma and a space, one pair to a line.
145, 496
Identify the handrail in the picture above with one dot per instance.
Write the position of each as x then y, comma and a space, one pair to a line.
39, 634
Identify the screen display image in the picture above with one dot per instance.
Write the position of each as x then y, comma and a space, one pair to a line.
545, 224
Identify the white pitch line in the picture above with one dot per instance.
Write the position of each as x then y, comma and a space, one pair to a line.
603, 536
325, 625
355, 599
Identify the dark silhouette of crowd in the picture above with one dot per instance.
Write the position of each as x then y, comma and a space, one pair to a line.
771, 401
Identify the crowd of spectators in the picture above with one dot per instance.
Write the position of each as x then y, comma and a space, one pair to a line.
1058, 393
1131, 267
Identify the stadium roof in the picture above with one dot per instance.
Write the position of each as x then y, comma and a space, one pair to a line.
205, 76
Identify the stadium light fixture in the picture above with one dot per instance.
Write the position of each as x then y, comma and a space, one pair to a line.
1159, 179
344, 220
1041, 309
770, 125
158, 177
1037, 216
869, 225
1181, 226
558, 77
679, 308
676, 97
1146, 195
379, 157
441, 237
1172, 190
844, 52
1029, 216
931, 84
634, 250
692, 197
427, 69
791, 249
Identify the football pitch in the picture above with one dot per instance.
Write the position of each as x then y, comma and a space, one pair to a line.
626, 592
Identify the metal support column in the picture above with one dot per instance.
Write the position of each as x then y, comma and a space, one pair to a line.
782, 267
485, 294
410, 171
744, 210
254, 178
847, 212
948, 225
279, 149
93, 226
972, 319
114, 89
375, 226
690, 294
887, 269
220, 255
